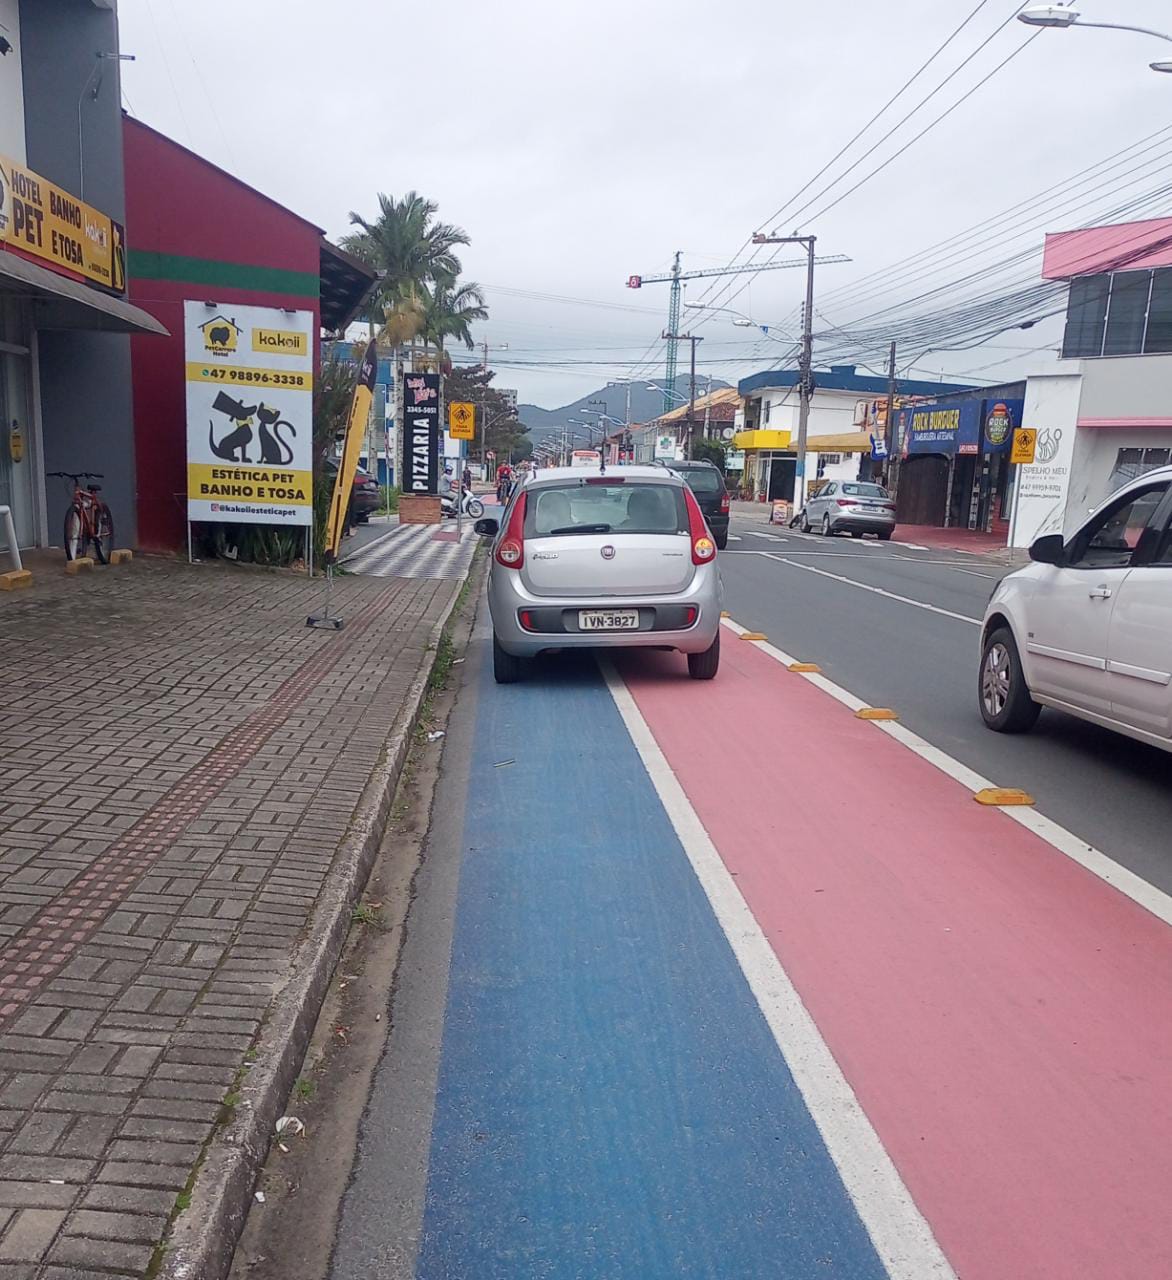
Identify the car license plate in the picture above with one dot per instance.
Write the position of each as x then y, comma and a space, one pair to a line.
607, 620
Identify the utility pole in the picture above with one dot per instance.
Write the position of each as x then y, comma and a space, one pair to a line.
805, 362
892, 461
672, 336
500, 346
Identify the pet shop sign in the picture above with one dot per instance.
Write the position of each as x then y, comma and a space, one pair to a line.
249, 414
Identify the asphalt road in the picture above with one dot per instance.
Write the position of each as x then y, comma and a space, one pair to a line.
873, 635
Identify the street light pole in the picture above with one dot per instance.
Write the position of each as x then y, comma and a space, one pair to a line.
805, 362
1062, 17
693, 339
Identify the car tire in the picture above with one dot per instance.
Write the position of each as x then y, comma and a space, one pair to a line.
506, 667
805, 525
884, 537
1002, 692
721, 540
703, 666
826, 529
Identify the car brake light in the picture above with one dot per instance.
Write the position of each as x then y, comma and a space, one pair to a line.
690, 615
606, 479
724, 504
703, 548
511, 550
526, 620
845, 502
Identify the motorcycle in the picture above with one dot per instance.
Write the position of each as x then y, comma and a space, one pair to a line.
470, 506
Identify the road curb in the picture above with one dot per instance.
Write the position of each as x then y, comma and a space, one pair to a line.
202, 1240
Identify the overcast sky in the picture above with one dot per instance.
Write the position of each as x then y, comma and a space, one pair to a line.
580, 142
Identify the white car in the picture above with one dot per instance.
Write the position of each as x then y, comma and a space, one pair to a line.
1087, 628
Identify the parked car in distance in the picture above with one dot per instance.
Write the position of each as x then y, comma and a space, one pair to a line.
602, 559
708, 485
850, 506
1087, 628
365, 497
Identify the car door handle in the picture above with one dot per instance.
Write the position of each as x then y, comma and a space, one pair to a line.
1101, 593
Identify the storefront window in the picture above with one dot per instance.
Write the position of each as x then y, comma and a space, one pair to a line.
1130, 464
16, 465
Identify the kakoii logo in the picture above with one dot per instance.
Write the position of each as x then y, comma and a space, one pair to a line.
220, 335
282, 342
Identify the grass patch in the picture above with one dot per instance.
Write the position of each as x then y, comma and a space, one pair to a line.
182, 1201
391, 495
441, 668
305, 1088
364, 913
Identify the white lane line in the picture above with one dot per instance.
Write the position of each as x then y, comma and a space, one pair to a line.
898, 1230
1066, 842
753, 533
864, 586
734, 537
914, 546
974, 574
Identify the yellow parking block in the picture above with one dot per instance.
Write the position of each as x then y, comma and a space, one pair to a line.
724, 613
754, 635
876, 713
806, 668
121, 556
1003, 796
78, 564
15, 579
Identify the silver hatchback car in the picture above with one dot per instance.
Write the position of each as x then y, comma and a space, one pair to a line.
850, 506
586, 558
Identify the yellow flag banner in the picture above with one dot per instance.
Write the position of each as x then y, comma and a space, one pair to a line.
351, 449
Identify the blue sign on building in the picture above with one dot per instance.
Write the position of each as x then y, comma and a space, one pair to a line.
960, 426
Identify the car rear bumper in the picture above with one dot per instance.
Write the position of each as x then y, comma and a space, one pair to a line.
554, 620
863, 524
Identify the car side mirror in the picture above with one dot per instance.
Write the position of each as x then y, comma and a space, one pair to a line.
1049, 550
488, 527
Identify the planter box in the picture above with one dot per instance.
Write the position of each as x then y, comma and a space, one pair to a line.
417, 508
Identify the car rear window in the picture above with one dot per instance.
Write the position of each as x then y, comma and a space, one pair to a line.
703, 480
605, 508
865, 490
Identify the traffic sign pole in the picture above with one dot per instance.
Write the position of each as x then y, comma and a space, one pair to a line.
1025, 444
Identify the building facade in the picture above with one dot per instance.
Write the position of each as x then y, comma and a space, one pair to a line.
65, 402
1105, 415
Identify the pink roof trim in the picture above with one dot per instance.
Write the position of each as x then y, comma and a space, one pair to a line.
1125, 246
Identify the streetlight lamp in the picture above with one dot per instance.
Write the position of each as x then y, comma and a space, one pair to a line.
740, 320
1055, 15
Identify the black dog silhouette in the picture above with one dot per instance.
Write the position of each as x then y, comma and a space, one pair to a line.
219, 335
235, 440
271, 441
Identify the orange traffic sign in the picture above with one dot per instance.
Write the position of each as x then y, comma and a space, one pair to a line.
1025, 443
462, 421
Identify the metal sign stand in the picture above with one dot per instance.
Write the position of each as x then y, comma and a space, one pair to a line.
324, 621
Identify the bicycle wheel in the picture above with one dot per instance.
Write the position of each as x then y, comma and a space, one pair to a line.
75, 534
103, 533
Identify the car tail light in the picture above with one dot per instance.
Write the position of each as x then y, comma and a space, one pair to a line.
703, 548
606, 479
527, 620
724, 504
846, 502
690, 615
510, 551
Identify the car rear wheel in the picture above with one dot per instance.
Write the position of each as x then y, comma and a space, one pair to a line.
885, 536
721, 540
506, 667
805, 525
1006, 705
826, 529
703, 666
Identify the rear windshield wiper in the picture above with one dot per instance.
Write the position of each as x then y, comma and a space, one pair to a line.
580, 528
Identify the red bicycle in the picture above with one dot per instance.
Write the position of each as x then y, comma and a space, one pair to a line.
88, 521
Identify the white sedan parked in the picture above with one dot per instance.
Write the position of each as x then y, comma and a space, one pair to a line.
1087, 627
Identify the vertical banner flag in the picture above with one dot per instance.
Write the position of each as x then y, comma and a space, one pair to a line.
249, 373
351, 449
420, 435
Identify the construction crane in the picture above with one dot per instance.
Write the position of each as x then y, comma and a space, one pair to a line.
676, 277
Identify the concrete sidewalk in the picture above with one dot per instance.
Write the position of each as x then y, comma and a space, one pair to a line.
189, 781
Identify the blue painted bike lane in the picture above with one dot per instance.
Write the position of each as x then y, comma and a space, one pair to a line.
610, 1101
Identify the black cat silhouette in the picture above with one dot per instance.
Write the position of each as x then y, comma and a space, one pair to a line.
271, 442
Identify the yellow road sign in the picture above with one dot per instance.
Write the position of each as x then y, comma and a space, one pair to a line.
1025, 442
462, 421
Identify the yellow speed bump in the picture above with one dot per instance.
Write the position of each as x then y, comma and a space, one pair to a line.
1002, 796
876, 713
754, 635
807, 668
79, 563
122, 556
15, 579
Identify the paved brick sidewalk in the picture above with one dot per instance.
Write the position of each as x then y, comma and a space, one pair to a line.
176, 775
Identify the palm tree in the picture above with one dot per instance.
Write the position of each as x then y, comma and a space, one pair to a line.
449, 311
409, 248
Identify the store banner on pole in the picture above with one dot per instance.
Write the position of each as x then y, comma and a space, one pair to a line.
249, 414
421, 433
360, 405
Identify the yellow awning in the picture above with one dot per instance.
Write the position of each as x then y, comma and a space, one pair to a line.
843, 442
761, 440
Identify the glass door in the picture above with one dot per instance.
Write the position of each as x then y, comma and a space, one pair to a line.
16, 451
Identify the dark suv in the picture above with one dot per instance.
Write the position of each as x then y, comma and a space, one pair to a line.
707, 484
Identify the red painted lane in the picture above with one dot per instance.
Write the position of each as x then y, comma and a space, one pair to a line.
1004, 1017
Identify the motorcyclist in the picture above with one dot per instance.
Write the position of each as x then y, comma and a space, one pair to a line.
504, 483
